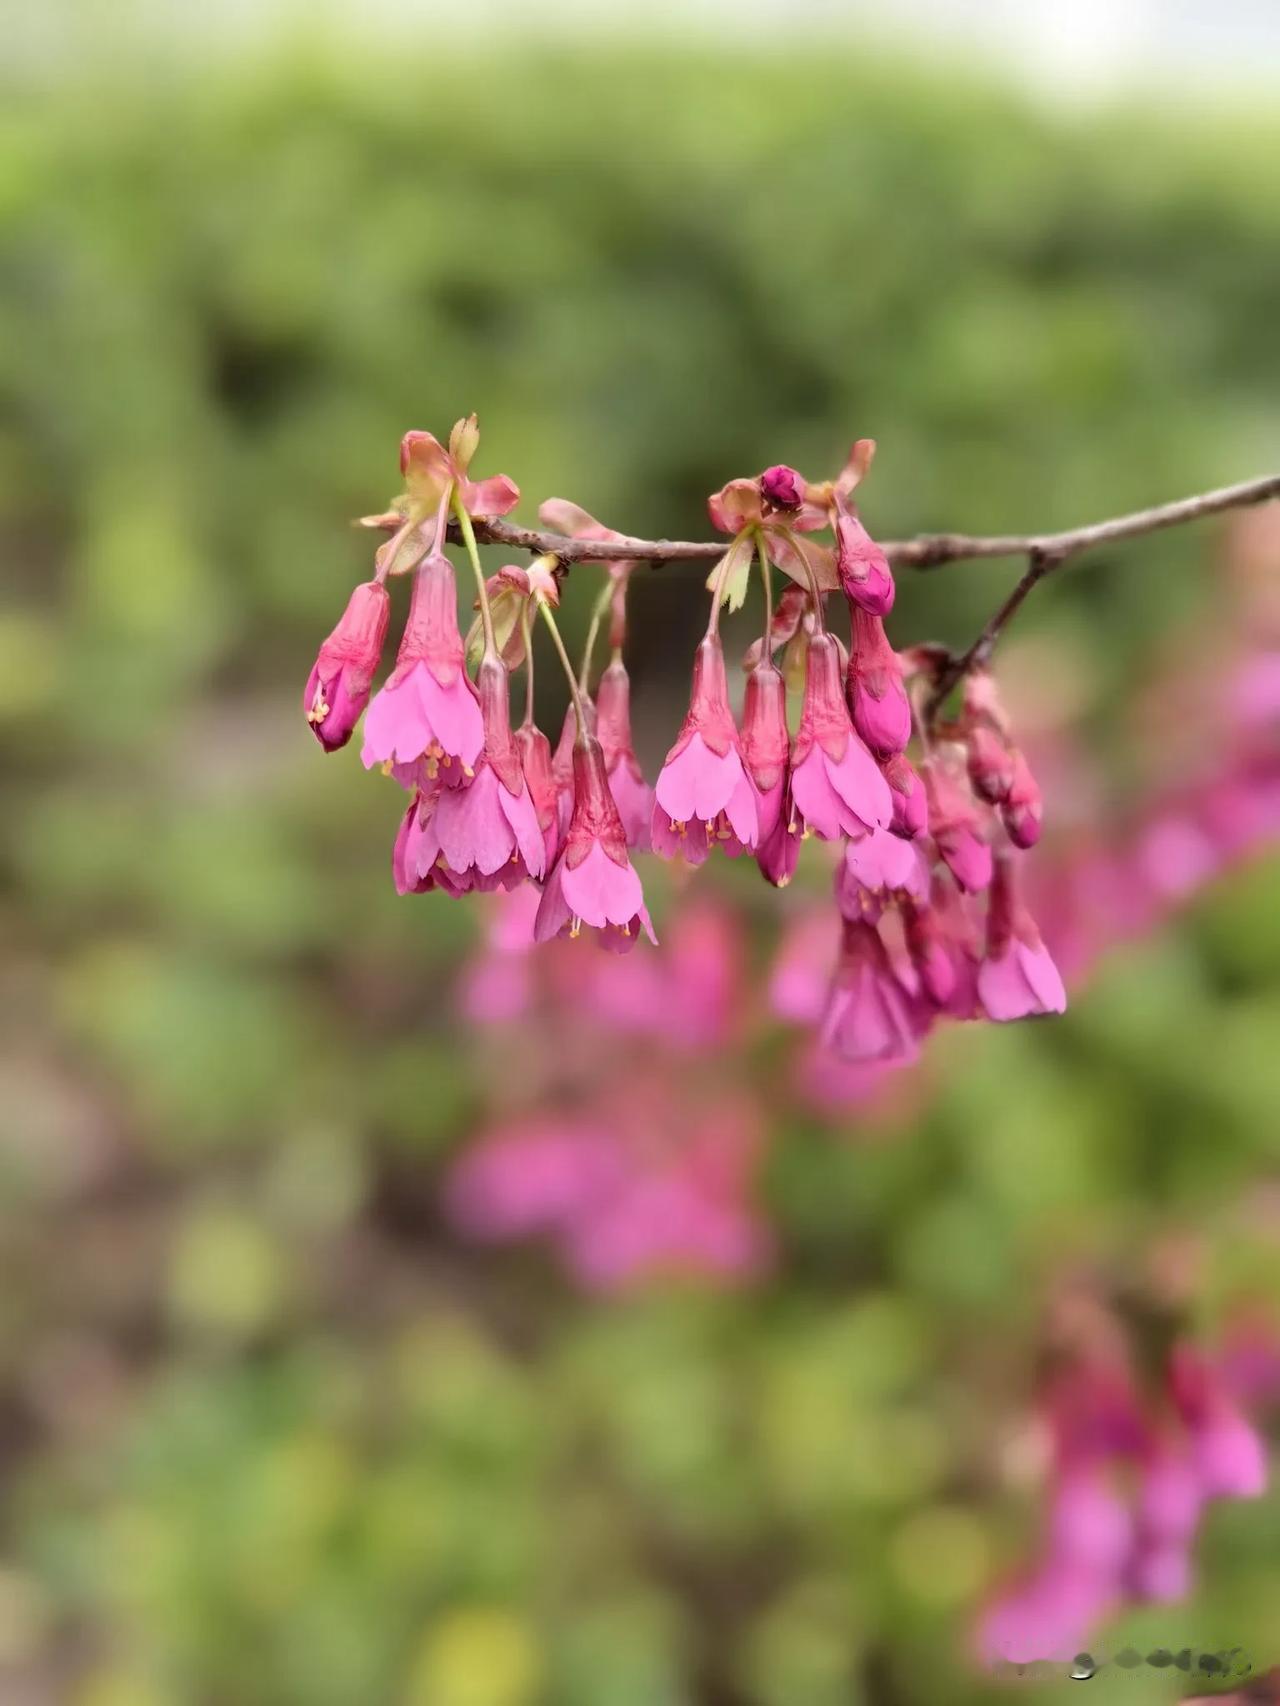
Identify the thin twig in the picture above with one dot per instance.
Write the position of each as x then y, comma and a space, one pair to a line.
1039, 564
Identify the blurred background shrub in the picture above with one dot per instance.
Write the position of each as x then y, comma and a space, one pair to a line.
271, 1433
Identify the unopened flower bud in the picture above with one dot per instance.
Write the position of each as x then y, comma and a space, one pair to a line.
877, 699
338, 687
910, 804
990, 765
863, 567
782, 487
1023, 806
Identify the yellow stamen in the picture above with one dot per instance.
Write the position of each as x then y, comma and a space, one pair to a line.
467, 771
319, 710
782, 882
806, 833
626, 929
386, 766
575, 929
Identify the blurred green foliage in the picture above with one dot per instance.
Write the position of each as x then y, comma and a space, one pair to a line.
272, 1436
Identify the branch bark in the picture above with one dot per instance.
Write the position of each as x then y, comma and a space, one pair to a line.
927, 551
1045, 552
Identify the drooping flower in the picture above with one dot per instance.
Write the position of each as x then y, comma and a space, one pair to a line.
1017, 977
862, 568
990, 765
865, 575
631, 793
1227, 1454
703, 797
1022, 807
593, 881
1169, 1506
931, 954
951, 915
876, 868
955, 824
536, 763
910, 803
562, 759
877, 698
868, 1015
689, 997
428, 709
836, 786
339, 684
487, 834
766, 746
497, 983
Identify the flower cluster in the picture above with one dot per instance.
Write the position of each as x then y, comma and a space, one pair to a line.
931, 923
1131, 1474
486, 807
615, 1133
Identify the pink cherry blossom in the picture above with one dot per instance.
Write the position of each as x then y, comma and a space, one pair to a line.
1022, 809
955, 824
338, 687
868, 1014
1226, 1452
1017, 976
931, 954
990, 765
876, 867
497, 984
703, 797
689, 996
907, 793
488, 831
593, 881
631, 793
535, 761
428, 708
536, 1175
877, 698
836, 786
862, 566
766, 747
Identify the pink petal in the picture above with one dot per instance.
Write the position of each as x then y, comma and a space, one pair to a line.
1043, 977
816, 800
698, 783
453, 713
396, 725
857, 779
553, 910
741, 811
599, 892
518, 809
689, 842
486, 498
471, 826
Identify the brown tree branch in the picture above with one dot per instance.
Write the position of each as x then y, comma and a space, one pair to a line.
1045, 552
928, 551
1039, 564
